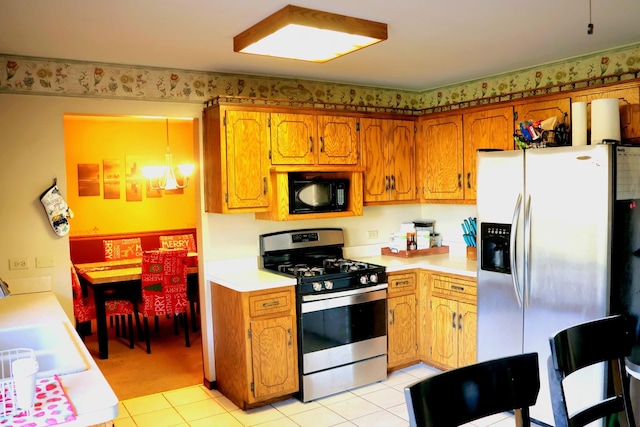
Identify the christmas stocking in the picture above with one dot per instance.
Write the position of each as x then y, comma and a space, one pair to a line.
57, 209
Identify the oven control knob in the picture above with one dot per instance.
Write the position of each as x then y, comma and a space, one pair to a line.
317, 286
373, 278
364, 279
328, 284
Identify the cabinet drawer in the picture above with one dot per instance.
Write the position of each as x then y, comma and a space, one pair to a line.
454, 287
275, 302
402, 282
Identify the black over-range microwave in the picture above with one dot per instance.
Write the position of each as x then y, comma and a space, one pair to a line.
317, 194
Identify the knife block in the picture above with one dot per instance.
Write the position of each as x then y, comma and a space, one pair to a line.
472, 252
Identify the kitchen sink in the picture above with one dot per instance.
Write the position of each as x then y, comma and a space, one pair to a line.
53, 345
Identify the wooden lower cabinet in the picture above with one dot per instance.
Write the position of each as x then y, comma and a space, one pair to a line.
452, 319
402, 324
256, 354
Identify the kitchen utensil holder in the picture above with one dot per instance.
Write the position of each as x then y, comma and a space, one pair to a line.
472, 253
8, 398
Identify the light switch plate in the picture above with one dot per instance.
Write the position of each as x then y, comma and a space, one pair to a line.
45, 261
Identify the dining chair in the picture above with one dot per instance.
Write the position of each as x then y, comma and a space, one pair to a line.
473, 392
164, 288
606, 340
84, 308
116, 249
186, 241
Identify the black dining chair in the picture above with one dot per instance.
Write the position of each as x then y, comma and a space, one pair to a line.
476, 391
607, 340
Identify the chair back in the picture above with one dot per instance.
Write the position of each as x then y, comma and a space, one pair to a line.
84, 309
116, 249
476, 391
607, 340
181, 241
164, 282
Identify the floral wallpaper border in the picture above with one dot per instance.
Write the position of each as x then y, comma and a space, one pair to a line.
42, 76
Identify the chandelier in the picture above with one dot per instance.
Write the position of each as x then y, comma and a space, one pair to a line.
163, 177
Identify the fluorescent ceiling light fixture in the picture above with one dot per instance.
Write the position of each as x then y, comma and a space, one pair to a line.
309, 35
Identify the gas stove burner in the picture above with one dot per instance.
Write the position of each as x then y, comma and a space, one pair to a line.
285, 268
348, 265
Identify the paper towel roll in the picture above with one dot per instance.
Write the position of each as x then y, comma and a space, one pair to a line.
605, 120
579, 123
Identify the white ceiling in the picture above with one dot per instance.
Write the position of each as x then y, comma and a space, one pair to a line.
432, 43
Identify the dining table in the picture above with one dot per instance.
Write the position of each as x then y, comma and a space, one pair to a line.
120, 280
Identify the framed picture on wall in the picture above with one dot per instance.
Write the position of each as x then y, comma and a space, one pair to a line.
111, 181
88, 179
133, 178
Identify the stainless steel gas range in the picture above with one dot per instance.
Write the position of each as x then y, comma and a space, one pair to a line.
341, 310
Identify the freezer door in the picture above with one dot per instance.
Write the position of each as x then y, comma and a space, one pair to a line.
500, 188
568, 191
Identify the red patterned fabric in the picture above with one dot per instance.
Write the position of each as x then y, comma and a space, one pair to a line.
181, 241
84, 308
122, 249
164, 282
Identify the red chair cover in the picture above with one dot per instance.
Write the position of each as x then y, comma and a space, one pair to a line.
84, 309
164, 282
122, 249
181, 241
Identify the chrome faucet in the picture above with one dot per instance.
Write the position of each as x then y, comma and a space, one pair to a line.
4, 289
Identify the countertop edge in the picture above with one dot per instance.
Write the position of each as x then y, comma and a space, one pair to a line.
250, 278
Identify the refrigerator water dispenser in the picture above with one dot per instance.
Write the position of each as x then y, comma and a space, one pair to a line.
494, 240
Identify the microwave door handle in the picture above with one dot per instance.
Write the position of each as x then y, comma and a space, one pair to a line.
512, 251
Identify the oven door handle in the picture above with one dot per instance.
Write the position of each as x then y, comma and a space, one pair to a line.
311, 303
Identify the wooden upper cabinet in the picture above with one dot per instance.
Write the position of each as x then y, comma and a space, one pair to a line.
388, 148
306, 139
440, 158
489, 128
542, 110
629, 100
236, 162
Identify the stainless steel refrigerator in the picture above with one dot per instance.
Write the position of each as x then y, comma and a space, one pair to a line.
557, 232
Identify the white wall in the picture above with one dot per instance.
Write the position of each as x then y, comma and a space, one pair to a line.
32, 153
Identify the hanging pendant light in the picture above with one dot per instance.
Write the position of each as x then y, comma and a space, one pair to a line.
164, 177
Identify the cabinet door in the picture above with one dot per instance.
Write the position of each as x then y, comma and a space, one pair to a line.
275, 368
541, 111
467, 327
401, 159
402, 336
247, 136
484, 129
292, 139
440, 155
444, 331
629, 100
375, 160
338, 142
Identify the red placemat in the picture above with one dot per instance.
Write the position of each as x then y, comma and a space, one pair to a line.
52, 406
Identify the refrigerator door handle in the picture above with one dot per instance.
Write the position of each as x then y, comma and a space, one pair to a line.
512, 251
527, 251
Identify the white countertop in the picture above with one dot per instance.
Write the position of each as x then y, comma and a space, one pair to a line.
243, 275
89, 392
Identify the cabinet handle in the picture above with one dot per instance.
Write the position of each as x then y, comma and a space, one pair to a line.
457, 288
459, 180
459, 321
391, 317
311, 144
468, 179
271, 304
322, 144
264, 185
290, 341
453, 320
393, 182
386, 182
402, 283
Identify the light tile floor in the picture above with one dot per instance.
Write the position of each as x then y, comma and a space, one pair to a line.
380, 404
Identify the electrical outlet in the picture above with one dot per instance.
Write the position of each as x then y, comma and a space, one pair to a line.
18, 263
373, 234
